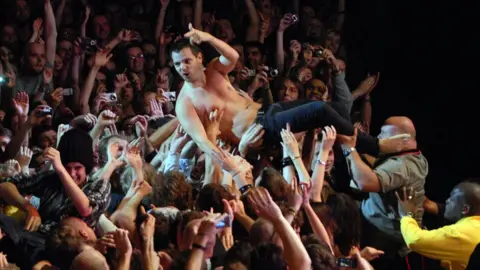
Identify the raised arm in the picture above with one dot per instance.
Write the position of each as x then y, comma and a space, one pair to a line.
228, 56
50, 33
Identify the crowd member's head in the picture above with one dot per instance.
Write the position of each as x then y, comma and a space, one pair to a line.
315, 29
171, 189
273, 181
101, 27
319, 253
72, 237
261, 231
91, 259
76, 153
9, 37
316, 89
5, 138
464, 201
150, 53
399, 125
34, 58
345, 212
211, 196
44, 137
267, 254
223, 30
187, 60
135, 58
238, 256
22, 11
332, 41
287, 89
254, 51
113, 144
238, 46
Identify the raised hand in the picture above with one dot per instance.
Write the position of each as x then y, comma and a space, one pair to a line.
56, 97
37, 25
53, 155
213, 123
122, 243
126, 35
164, 3
295, 196
263, 205
21, 104
290, 144
329, 135
105, 242
285, 22
24, 157
295, 48
121, 81
106, 118
47, 75
101, 58
132, 155
197, 36
179, 140
264, 24
156, 109
38, 115
252, 138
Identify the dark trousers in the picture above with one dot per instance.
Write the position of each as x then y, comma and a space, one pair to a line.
303, 115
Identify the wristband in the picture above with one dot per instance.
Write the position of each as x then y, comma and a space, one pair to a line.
286, 162
321, 162
194, 245
245, 188
292, 210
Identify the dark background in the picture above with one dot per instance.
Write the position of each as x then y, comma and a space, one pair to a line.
424, 53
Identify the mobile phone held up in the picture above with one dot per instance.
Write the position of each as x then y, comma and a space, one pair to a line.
347, 262
170, 96
67, 91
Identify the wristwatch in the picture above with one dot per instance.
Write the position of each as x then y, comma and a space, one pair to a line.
348, 150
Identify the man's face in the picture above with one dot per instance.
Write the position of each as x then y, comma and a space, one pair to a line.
58, 63
81, 227
387, 131
188, 66
48, 139
318, 91
65, 49
23, 11
9, 36
314, 29
290, 91
455, 205
224, 31
150, 54
254, 57
77, 171
240, 51
136, 59
101, 27
36, 57
4, 141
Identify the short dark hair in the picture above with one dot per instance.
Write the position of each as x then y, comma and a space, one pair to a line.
255, 44
171, 189
267, 256
185, 43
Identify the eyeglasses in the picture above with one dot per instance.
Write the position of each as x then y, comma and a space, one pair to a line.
135, 57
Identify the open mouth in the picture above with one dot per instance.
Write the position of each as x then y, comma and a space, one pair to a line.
186, 74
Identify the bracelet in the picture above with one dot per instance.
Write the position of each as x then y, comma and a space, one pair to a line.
195, 245
297, 157
286, 162
321, 162
292, 210
245, 188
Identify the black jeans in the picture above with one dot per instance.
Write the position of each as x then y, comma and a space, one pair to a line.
303, 115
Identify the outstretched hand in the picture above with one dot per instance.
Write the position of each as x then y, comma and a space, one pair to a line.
197, 36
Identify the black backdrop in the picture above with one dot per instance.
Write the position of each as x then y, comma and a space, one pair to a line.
424, 52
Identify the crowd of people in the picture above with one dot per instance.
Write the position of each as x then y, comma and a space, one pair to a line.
192, 134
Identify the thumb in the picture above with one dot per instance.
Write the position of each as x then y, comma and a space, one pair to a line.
190, 27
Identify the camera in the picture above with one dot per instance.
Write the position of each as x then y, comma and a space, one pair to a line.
44, 112
294, 18
112, 97
89, 45
170, 96
273, 72
67, 91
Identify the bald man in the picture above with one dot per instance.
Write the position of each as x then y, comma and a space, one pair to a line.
406, 167
90, 259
